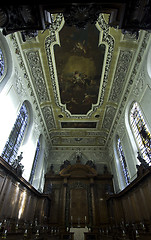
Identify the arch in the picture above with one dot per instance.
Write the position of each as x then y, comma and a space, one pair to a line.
16, 135
140, 131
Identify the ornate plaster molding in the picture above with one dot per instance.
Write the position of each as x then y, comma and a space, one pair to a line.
109, 117
139, 84
37, 75
20, 88
74, 141
123, 63
49, 118
80, 134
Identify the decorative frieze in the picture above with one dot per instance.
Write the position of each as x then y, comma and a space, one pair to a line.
76, 141
139, 84
19, 84
109, 117
120, 77
48, 116
107, 38
37, 75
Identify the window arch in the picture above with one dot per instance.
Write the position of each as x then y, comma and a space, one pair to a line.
123, 161
16, 136
141, 132
37, 153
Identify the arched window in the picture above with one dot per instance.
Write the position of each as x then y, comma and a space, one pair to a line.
123, 161
141, 132
16, 136
35, 162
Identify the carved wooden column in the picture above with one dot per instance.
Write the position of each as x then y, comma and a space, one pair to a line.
93, 201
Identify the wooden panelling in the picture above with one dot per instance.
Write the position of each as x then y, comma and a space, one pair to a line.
133, 204
18, 199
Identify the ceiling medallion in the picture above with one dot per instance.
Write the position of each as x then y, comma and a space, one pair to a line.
72, 69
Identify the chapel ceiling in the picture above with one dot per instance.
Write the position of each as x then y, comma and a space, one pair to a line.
80, 78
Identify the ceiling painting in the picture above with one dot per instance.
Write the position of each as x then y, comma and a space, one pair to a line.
79, 60
79, 63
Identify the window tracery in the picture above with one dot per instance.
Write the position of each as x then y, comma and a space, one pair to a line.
123, 162
16, 136
141, 132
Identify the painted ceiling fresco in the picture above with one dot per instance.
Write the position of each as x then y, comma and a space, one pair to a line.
79, 63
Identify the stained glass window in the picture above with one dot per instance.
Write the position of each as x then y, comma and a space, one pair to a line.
15, 138
35, 162
141, 132
123, 162
2, 64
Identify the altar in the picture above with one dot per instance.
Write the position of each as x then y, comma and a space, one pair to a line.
79, 232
